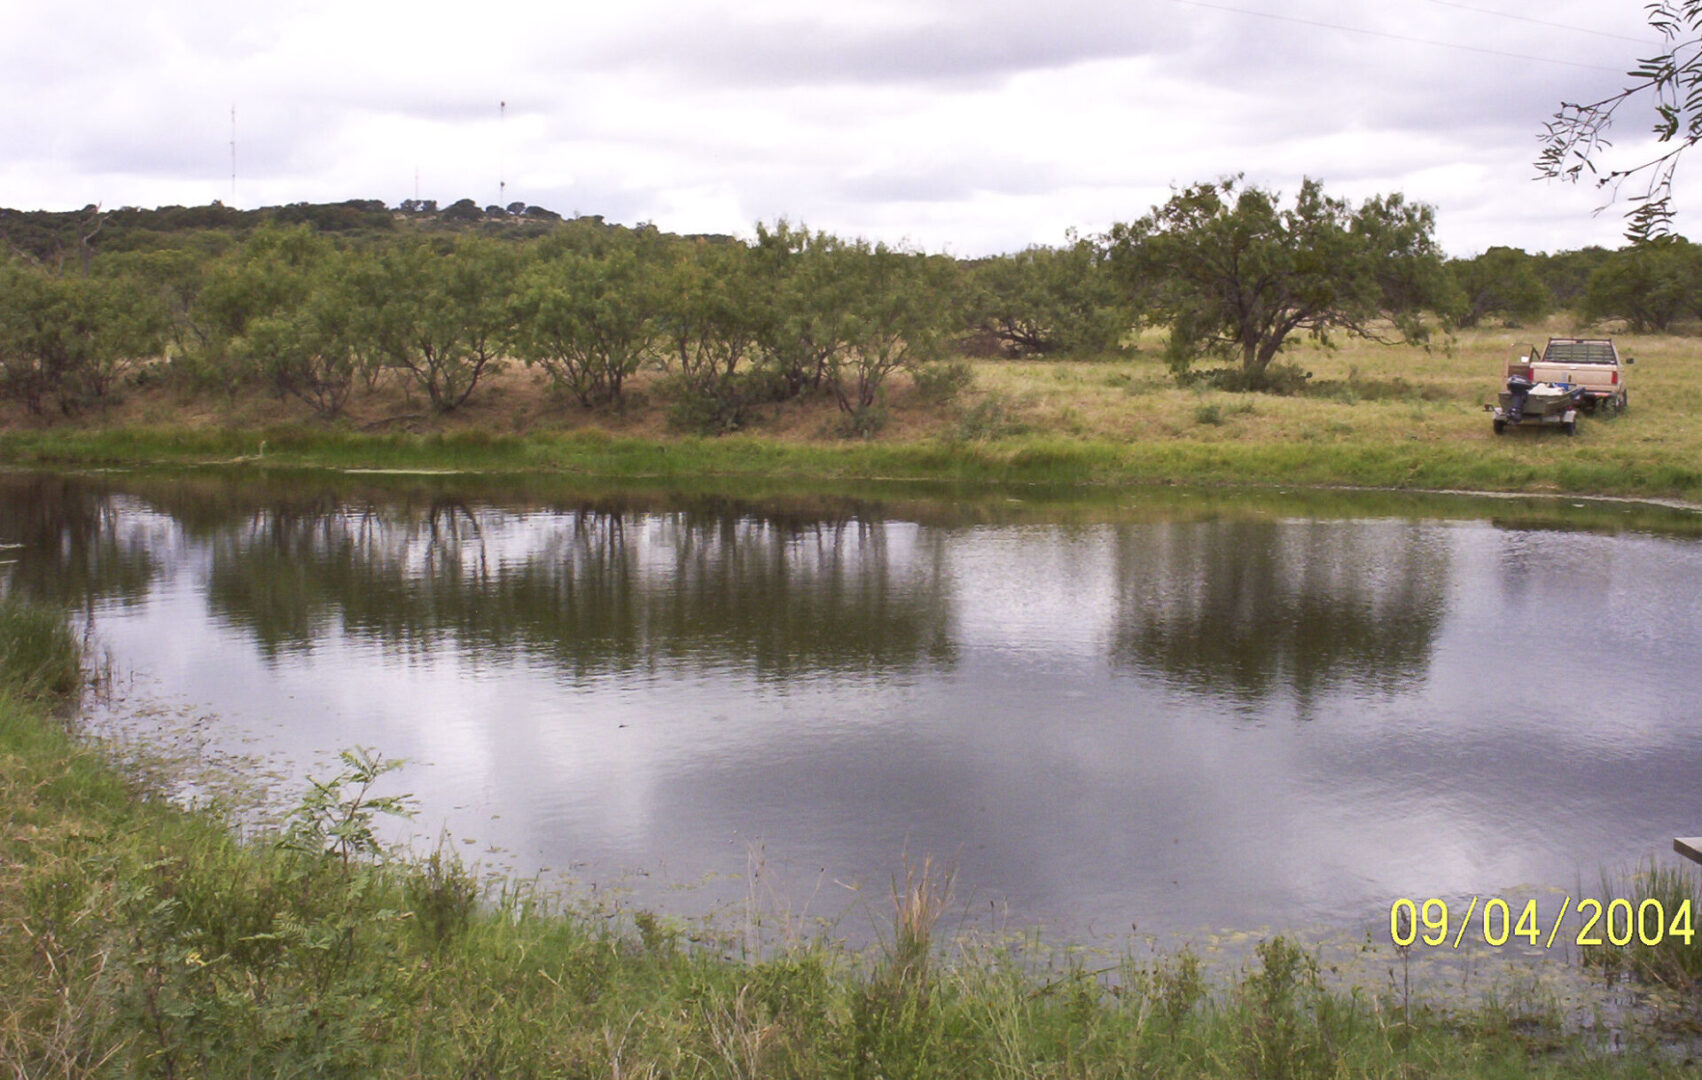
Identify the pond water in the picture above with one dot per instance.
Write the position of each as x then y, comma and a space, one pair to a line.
1165, 710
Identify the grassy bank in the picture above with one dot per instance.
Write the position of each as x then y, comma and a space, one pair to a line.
139, 938
1369, 416
1017, 460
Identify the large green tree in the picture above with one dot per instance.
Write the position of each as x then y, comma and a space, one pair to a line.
1235, 274
1566, 274
218, 305
711, 320
804, 296
899, 315
314, 349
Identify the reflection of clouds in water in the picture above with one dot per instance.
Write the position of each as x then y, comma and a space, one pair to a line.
1037, 591
1170, 723
1570, 640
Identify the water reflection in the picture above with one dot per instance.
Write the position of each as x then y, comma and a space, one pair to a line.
1254, 608
594, 590
75, 544
1086, 712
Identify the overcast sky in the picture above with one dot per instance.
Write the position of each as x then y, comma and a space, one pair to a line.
968, 126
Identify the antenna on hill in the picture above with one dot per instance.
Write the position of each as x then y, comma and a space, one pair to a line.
501, 156
416, 183
233, 155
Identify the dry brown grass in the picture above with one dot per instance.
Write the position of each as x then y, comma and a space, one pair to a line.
918, 902
1359, 390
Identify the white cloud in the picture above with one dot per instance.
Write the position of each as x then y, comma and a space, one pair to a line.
957, 124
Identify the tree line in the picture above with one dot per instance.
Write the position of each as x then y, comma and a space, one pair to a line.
1651, 286
321, 303
317, 317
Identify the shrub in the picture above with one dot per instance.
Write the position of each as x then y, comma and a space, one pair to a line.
989, 418
863, 422
1279, 378
718, 406
943, 380
442, 896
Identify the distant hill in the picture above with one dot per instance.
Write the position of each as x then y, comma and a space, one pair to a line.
51, 236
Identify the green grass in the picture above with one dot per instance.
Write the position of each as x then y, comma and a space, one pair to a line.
138, 938
39, 660
1370, 415
1556, 466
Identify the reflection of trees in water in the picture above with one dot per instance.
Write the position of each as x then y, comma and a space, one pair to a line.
1249, 607
77, 544
594, 589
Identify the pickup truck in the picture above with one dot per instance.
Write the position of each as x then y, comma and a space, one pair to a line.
1593, 364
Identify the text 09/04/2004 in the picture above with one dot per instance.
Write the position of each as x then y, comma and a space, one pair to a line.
1618, 922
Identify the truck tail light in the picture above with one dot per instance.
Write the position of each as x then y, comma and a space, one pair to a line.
1615, 378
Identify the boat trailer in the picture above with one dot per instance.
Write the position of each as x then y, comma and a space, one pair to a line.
1526, 401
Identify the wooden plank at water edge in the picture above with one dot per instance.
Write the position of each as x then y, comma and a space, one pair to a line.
1689, 846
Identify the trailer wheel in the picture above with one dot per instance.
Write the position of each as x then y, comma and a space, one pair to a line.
1570, 427
1500, 427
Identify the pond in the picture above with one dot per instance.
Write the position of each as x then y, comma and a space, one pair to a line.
1166, 710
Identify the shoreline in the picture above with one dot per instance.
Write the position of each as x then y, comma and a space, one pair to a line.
1091, 465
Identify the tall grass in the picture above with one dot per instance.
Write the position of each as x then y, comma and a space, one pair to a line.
39, 658
917, 906
1655, 955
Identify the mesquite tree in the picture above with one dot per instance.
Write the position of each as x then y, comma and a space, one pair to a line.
1235, 274
70, 339
900, 312
442, 313
1045, 300
589, 315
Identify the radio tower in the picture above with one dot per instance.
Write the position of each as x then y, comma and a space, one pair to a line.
501, 156
233, 155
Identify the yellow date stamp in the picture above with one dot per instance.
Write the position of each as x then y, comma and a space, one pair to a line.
1494, 921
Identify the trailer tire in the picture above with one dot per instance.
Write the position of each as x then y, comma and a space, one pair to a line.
1570, 427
